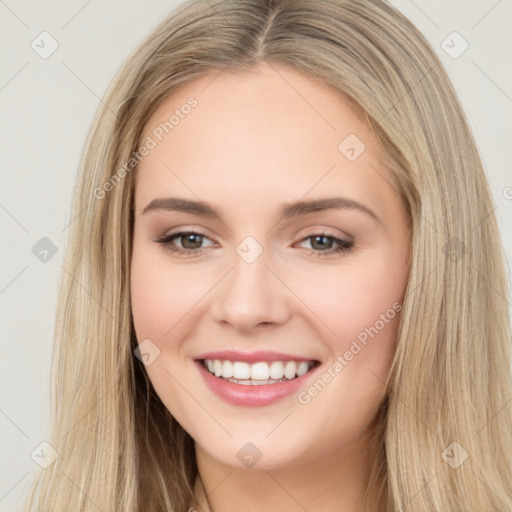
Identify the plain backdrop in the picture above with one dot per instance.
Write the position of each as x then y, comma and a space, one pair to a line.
47, 105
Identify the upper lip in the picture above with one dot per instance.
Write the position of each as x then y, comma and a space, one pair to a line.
252, 357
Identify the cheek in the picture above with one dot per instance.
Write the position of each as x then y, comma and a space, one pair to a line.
150, 299
350, 298
160, 298
161, 303
361, 303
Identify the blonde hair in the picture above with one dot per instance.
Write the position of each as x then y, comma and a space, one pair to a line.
450, 381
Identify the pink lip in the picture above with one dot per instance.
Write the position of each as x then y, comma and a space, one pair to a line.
252, 357
250, 395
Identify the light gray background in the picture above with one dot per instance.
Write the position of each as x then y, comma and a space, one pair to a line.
46, 109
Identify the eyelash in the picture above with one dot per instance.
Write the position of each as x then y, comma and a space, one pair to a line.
165, 241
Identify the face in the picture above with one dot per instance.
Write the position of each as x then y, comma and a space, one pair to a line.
266, 231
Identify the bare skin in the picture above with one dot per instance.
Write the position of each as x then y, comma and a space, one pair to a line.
253, 143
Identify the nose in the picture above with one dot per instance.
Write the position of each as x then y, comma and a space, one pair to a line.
251, 295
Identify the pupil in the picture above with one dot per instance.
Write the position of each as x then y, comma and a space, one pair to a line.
322, 245
190, 238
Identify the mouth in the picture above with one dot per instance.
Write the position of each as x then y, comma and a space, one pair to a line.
255, 379
260, 373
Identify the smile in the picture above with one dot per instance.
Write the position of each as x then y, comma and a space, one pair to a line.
259, 373
255, 380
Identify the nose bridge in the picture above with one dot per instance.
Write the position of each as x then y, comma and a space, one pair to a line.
250, 294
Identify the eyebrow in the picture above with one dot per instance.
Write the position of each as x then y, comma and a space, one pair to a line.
288, 210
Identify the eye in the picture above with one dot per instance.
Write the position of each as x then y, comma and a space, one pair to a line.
323, 244
190, 242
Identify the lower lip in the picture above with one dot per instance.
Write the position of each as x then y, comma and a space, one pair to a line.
252, 395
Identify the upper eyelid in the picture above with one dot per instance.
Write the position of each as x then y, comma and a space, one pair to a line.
186, 232
310, 230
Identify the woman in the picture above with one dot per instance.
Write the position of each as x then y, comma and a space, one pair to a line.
285, 290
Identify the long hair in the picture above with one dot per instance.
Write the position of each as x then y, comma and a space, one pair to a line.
445, 429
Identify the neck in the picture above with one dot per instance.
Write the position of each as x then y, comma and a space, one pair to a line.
334, 482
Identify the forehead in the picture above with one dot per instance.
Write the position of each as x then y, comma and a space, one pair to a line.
270, 134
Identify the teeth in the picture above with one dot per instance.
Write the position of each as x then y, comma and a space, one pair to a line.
240, 370
227, 369
302, 368
217, 367
290, 370
260, 371
276, 371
